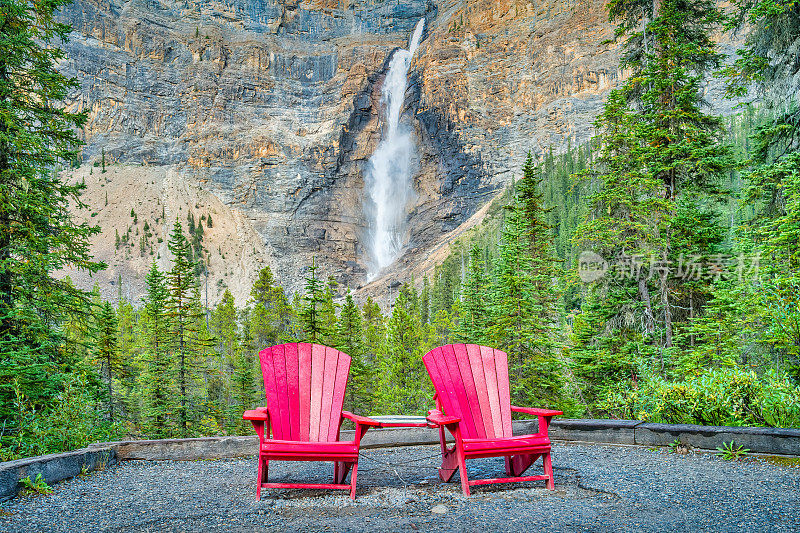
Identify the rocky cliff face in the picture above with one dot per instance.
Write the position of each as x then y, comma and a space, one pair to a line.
270, 109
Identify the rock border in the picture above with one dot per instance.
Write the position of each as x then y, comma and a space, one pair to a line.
59, 466
53, 467
759, 440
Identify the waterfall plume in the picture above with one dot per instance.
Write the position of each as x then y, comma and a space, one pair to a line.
388, 175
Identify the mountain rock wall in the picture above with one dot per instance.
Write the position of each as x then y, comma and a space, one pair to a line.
272, 109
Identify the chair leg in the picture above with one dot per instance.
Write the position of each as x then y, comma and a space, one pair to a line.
353, 481
508, 459
341, 468
462, 470
263, 468
449, 464
520, 463
548, 470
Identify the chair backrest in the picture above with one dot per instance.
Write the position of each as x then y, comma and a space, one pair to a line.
305, 386
471, 383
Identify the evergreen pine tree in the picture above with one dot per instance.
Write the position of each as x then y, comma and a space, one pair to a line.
38, 235
157, 380
374, 332
473, 307
311, 310
131, 341
425, 301
523, 299
107, 350
669, 53
270, 315
658, 176
327, 313
224, 328
403, 385
185, 315
350, 337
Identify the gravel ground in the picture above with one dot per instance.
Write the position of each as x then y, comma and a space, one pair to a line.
598, 488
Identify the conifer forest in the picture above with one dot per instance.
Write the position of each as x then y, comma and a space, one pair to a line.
651, 274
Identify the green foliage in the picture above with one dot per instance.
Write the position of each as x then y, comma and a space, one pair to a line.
350, 340
107, 350
314, 315
728, 396
473, 305
37, 486
657, 181
523, 297
271, 310
157, 382
402, 381
185, 318
71, 421
38, 235
730, 452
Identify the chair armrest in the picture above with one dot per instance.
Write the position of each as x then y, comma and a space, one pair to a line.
259, 417
363, 420
362, 425
437, 418
259, 413
535, 411
544, 416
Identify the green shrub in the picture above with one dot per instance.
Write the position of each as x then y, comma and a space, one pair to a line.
781, 402
729, 451
721, 397
38, 486
72, 422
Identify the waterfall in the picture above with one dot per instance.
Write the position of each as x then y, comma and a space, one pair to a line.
388, 176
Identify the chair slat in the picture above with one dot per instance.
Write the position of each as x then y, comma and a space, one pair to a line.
487, 356
317, 376
468, 382
328, 388
431, 364
342, 373
504, 391
474, 353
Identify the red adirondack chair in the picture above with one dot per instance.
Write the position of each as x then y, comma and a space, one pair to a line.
474, 403
305, 386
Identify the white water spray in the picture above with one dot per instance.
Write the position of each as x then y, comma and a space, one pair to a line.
388, 177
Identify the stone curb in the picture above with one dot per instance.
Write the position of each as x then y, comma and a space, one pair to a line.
55, 467
770, 441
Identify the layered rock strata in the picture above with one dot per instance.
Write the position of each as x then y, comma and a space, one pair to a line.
271, 109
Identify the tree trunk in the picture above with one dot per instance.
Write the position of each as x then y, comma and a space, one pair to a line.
665, 302
6, 294
644, 294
